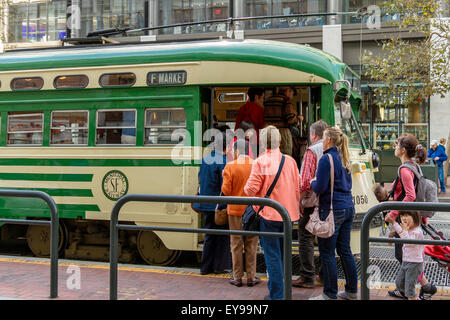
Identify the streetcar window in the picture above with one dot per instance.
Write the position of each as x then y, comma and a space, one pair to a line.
73, 81
161, 125
116, 127
69, 128
25, 128
347, 126
31, 83
117, 79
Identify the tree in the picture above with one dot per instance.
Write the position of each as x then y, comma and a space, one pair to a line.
412, 70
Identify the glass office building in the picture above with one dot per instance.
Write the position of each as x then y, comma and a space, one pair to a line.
46, 20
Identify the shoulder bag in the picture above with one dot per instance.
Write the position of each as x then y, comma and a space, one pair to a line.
250, 218
323, 229
221, 214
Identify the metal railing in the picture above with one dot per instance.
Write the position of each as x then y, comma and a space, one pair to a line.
365, 239
286, 234
54, 229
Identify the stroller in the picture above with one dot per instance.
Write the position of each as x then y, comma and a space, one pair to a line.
439, 254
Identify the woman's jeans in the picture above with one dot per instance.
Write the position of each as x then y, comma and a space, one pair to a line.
340, 242
273, 257
442, 180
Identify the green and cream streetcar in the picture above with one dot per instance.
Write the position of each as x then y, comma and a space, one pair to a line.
88, 125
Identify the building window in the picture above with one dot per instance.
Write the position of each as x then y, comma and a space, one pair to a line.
178, 11
161, 124
25, 128
32, 83
72, 81
116, 127
256, 8
37, 21
69, 128
117, 80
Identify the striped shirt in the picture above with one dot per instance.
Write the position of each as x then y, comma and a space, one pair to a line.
308, 172
279, 112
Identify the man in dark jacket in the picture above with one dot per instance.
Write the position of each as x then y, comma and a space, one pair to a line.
216, 256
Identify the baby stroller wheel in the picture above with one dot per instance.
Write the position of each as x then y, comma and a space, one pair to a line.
427, 291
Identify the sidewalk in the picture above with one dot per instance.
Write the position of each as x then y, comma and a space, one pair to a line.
29, 278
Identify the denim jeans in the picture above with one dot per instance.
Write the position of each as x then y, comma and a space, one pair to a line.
442, 179
340, 242
273, 257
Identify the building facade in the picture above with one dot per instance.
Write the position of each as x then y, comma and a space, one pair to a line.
344, 35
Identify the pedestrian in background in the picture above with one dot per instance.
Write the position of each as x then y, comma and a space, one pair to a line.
437, 153
286, 192
335, 143
442, 142
308, 201
235, 176
216, 248
407, 148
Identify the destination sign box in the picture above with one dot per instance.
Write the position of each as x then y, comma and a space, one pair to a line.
166, 78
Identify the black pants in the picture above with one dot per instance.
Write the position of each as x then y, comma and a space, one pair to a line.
216, 255
306, 247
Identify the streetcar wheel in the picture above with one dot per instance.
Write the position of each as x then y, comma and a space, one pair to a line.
38, 239
153, 250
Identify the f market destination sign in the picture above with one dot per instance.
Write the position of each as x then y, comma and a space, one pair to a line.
165, 78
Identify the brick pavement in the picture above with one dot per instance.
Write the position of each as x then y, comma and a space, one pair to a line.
29, 278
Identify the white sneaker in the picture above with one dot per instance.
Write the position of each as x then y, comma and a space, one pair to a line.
321, 297
347, 295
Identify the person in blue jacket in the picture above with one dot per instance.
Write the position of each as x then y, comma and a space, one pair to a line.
216, 254
437, 153
335, 143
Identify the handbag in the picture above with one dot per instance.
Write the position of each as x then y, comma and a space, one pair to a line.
323, 229
251, 218
220, 215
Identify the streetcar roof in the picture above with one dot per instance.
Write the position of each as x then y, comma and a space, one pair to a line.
294, 56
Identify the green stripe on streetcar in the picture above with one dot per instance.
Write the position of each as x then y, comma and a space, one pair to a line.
77, 207
46, 177
96, 163
59, 192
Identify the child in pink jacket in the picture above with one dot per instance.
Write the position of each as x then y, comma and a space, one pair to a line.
413, 254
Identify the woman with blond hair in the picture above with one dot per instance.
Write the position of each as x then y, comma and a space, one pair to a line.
335, 143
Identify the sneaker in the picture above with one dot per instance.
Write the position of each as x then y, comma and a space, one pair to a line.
397, 294
321, 297
347, 295
427, 291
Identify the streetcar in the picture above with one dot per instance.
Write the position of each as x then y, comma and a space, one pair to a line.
89, 124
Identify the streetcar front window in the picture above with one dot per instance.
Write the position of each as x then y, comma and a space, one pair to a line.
116, 127
161, 124
25, 128
347, 123
69, 128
